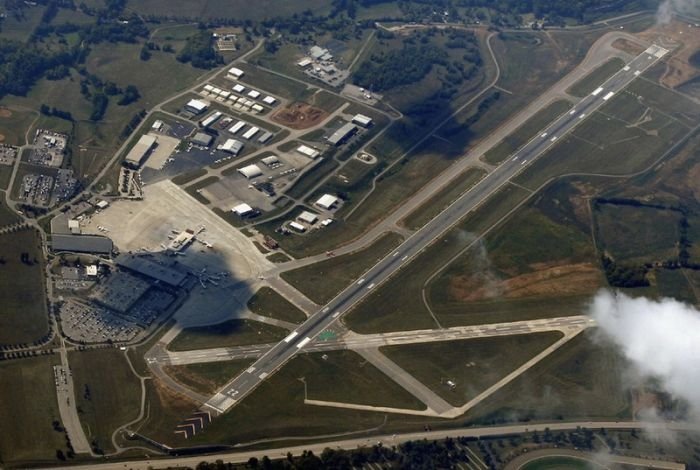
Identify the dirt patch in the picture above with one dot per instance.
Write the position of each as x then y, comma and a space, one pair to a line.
644, 400
546, 281
299, 116
631, 47
5, 113
679, 70
2, 138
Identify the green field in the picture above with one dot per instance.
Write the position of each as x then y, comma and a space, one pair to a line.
322, 281
23, 318
108, 394
596, 78
208, 377
561, 463
14, 127
7, 215
185, 178
472, 365
525, 132
27, 410
637, 234
197, 10
446, 196
228, 333
269, 303
585, 379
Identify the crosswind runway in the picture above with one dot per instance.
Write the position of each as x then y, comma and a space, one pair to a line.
302, 337
378, 340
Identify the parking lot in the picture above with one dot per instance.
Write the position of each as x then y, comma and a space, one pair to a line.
36, 189
8, 154
49, 149
94, 324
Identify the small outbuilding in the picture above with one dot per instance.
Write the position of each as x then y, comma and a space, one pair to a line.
243, 210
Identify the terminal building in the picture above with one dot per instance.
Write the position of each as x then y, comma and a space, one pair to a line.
140, 150
158, 272
81, 244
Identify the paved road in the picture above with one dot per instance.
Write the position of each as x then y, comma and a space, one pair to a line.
662, 428
356, 341
242, 385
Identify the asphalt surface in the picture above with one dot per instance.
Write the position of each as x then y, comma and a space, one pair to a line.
281, 353
354, 341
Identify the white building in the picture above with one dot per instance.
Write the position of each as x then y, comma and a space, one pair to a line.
308, 151
91, 270
158, 125
308, 217
270, 161
270, 100
232, 146
211, 119
254, 94
250, 133
235, 72
243, 210
362, 120
297, 226
305, 62
237, 127
238, 88
140, 150
196, 106
327, 201
250, 171
102, 204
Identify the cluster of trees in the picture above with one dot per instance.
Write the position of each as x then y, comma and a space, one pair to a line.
399, 67
53, 111
620, 275
199, 51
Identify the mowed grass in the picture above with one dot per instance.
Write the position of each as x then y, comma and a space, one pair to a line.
471, 365
23, 318
398, 304
228, 333
7, 215
269, 303
276, 409
596, 78
271, 83
626, 135
450, 193
525, 132
27, 410
14, 127
208, 377
584, 379
107, 393
324, 280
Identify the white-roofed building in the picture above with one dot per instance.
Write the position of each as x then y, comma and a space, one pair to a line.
235, 72
250, 133
237, 127
305, 62
272, 160
270, 100
254, 94
327, 201
250, 171
308, 151
140, 150
308, 217
208, 88
102, 204
362, 120
297, 226
243, 210
238, 88
74, 227
196, 106
91, 270
232, 146
158, 125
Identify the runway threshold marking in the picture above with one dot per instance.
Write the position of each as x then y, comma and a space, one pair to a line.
303, 342
291, 336
597, 91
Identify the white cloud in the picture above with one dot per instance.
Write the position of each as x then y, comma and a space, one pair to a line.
661, 338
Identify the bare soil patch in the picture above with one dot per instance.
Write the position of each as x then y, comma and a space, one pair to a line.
299, 116
189, 379
625, 45
2, 138
569, 279
5, 113
679, 70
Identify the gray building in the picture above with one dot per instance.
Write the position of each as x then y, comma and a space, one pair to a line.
81, 244
200, 138
344, 133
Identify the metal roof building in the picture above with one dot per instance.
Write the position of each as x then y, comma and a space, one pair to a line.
235, 72
362, 120
140, 150
243, 209
211, 119
196, 106
308, 151
250, 171
327, 201
153, 270
81, 244
308, 217
200, 138
232, 146
344, 133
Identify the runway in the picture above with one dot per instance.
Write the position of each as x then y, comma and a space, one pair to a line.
302, 337
356, 341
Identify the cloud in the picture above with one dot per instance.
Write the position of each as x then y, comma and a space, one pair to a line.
661, 338
666, 9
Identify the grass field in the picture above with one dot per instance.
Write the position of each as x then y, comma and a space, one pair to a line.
433, 206
625, 135
193, 189
561, 463
106, 391
7, 215
27, 410
19, 29
198, 10
584, 379
276, 409
269, 303
14, 127
23, 318
208, 377
322, 281
185, 178
472, 365
280, 86
637, 235
525, 132
596, 78
228, 333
